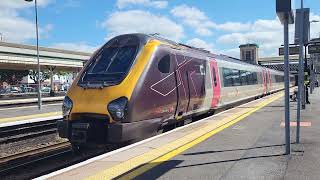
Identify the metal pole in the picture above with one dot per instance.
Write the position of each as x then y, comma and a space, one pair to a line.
306, 92
300, 78
311, 74
1, 37
38, 58
286, 83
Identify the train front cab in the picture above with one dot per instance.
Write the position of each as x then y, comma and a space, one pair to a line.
96, 108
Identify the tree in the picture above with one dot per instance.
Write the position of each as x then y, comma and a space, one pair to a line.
44, 75
62, 73
12, 77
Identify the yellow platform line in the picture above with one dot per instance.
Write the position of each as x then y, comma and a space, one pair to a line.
27, 117
141, 164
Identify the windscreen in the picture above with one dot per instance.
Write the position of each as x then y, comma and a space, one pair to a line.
113, 61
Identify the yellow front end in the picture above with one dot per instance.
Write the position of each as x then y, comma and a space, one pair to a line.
87, 119
95, 101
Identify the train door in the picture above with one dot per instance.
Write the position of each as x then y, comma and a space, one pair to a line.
183, 93
216, 85
265, 84
196, 71
269, 81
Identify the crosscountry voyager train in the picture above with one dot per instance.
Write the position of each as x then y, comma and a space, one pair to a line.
137, 84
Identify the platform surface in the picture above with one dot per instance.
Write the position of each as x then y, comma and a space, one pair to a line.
13, 101
246, 142
26, 112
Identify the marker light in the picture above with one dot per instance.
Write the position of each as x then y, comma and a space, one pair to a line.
66, 106
118, 108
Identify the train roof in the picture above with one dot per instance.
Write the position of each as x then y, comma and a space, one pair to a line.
200, 51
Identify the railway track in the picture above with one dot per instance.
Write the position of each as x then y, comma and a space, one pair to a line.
37, 162
10, 134
9, 164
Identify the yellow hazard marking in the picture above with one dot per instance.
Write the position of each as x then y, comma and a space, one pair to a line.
141, 164
27, 117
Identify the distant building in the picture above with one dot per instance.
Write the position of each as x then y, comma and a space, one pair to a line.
249, 53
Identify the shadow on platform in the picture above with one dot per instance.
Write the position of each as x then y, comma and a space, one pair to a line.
232, 160
160, 168
156, 171
241, 149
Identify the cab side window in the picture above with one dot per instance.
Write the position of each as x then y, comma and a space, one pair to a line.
164, 64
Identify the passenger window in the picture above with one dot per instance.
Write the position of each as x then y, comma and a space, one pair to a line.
164, 64
243, 77
236, 77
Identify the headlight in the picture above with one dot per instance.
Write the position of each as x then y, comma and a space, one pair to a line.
66, 106
118, 108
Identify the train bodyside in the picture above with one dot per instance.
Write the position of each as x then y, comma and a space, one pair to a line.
163, 84
240, 81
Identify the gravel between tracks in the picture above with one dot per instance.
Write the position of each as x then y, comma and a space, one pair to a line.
29, 144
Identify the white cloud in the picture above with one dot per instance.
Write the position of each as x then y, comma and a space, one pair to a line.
199, 43
194, 18
314, 27
151, 3
234, 52
234, 26
77, 46
136, 21
268, 34
17, 4
267, 25
15, 28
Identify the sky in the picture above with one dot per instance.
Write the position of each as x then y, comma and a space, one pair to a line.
218, 26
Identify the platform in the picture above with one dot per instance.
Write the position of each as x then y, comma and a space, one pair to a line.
246, 142
20, 114
29, 100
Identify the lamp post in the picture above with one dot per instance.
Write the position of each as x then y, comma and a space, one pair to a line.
300, 76
38, 59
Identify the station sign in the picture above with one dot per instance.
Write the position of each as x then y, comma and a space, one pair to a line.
314, 48
292, 50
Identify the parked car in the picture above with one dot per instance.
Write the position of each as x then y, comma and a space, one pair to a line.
29, 89
15, 89
46, 89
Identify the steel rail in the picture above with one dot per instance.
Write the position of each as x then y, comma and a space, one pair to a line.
12, 162
9, 134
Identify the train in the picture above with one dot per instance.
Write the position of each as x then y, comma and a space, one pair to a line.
138, 84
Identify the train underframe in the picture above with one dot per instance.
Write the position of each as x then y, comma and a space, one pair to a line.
93, 132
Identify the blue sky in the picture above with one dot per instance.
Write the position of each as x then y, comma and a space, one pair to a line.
82, 25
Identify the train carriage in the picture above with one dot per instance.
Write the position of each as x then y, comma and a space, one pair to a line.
137, 84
